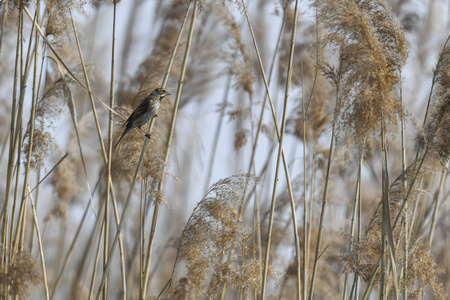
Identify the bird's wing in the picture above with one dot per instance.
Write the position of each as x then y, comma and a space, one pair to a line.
143, 106
139, 110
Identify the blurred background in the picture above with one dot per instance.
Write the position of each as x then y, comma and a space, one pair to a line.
223, 109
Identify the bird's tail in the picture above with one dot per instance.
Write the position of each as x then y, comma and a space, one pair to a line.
122, 136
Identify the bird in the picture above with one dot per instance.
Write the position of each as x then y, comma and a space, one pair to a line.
144, 112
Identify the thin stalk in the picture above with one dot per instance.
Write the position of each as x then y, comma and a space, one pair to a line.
386, 217
33, 108
25, 70
272, 107
324, 200
122, 218
358, 236
305, 207
261, 114
434, 80
405, 216
36, 90
400, 214
310, 220
31, 244
73, 115
306, 231
257, 226
103, 151
63, 63
95, 233
5, 13
12, 152
354, 217
406, 251
41, 248
72, 246
91, 97
217, 133
436, 205
168, 145
418, 153
59, 247
143, 221
385, 209
51, 170
4, 143
110, 148
128, 41
94, 267
288, 180
280, 151
138, 166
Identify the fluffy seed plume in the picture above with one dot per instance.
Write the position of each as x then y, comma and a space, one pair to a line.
370, 44
215, 242
437, 129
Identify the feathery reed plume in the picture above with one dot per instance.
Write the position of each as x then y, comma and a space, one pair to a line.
236, 3
371, 48
302, 63
58, 13
12, 5
20, 275
43, 146
241, 62
215, 244
317, 121
424, 271
329, 268
240, 138
318, 112
49, 109
362, 260
66, 185
437, 129
129, 152
205, 53
148, 78
317, 93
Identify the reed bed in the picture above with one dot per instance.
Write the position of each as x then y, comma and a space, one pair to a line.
303, 152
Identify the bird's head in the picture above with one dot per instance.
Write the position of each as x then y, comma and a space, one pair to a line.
161, 93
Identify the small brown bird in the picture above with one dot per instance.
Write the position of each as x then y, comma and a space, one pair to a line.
145, 111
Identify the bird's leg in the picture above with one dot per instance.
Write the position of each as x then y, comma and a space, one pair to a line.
148, 135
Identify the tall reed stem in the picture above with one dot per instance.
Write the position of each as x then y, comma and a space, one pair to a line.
110, 148
280, 151
11, 154
168, 145
138, 166
104, 155
324, 200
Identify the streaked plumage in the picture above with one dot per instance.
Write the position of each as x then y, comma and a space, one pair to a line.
144, 112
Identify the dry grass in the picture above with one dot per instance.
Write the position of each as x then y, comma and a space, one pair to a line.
364, 137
